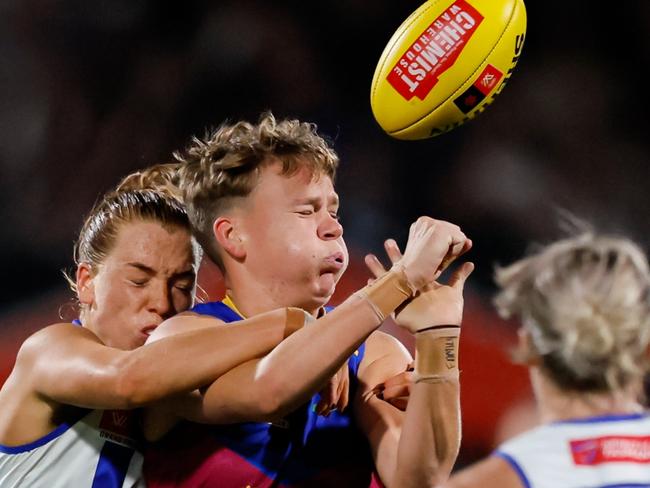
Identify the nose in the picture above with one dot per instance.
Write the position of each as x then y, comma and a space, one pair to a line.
160, 300
330, 228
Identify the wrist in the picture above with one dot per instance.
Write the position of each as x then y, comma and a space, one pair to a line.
436, 354
296, 319
387, 293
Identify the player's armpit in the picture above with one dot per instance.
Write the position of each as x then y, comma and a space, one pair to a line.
492, 472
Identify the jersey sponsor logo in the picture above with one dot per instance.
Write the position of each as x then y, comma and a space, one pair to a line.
118, 426
434, 51
607, 449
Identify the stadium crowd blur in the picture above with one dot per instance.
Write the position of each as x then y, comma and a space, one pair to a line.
91, 90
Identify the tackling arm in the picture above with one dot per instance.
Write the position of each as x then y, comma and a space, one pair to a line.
69, 365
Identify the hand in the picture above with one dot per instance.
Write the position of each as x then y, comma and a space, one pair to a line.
335, 395
439, 304
432, 246
397, 390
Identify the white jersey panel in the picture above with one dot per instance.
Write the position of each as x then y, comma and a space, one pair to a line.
95, 452
597, 452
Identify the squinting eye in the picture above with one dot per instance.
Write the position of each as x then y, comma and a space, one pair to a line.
335, 216
139, 282
306, 212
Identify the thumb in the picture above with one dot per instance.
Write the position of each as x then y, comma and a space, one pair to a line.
459, 277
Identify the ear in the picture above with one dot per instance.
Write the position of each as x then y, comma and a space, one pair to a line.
85, 284
525, 345
229, 238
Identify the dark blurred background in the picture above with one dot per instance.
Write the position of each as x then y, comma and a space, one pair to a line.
91, 90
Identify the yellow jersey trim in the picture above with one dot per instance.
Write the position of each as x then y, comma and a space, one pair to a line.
227, 301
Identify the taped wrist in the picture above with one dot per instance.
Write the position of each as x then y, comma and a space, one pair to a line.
297, 318
436, 354
387, 293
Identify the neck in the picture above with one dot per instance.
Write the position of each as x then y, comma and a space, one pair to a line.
252, 298
557, 404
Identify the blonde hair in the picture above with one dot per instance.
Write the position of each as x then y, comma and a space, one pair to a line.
149, 195
161, 177
225, 166
585, 302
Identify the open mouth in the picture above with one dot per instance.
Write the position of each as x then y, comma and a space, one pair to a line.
333, 263
148, 329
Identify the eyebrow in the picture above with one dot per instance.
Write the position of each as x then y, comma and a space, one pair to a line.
190, 273
315, 201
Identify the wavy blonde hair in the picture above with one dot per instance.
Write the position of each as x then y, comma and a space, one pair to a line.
585, 302
225, 165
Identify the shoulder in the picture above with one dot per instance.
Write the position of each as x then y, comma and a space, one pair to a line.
528, 441
53, 336
183, 322
492, 472
384, 357
380, 345
47, 345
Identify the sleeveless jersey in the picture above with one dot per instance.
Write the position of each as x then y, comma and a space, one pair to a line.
597, 452
303, 450
97, 451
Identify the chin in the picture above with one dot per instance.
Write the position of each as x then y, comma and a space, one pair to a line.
316, 301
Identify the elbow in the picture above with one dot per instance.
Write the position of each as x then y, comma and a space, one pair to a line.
130, 391
271, 398
433, 474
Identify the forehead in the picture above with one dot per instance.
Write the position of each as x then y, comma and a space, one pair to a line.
302, 184
152, 244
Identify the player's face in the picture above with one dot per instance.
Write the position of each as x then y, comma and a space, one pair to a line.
147, 277
294, 241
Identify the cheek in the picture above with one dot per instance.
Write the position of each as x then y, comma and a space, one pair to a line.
119, 301
181, 301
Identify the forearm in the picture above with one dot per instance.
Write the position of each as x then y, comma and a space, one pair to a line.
189, 360
431, 429
430, 437
263, 389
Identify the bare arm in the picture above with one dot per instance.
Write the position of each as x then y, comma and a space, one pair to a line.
69, 365
413, 448
419, 448
262, 389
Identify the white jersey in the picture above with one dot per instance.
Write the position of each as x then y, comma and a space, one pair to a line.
97, 451
598, 452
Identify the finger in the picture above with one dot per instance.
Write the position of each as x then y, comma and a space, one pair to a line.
327, 393
459, 276
344, 393
393, 250
398, 379
468, 246
321, 407
397, 391
374, 265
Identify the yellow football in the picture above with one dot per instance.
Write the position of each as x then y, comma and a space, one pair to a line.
445, 64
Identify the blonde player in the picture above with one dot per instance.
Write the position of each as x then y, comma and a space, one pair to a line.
263, 206
584, 306
62, 422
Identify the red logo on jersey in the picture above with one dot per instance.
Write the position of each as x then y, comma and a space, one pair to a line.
434, 51
608, 449
118, 426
